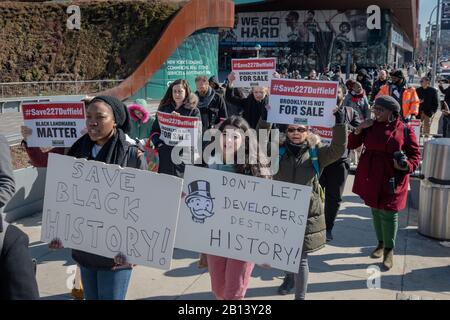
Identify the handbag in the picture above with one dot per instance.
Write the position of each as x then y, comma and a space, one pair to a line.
151, 156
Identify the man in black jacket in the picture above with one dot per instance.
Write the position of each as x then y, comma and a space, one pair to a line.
334, 176
211, 104
17, 276
429, 103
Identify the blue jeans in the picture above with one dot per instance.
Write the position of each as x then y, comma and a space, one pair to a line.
301, 278
105, 284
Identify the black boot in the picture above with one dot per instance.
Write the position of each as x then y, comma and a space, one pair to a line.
378, 252
287, 285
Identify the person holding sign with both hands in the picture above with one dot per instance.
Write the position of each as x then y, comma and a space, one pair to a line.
107, 122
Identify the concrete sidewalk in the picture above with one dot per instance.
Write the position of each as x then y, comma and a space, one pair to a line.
339, 271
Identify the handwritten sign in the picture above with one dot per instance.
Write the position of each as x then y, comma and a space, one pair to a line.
105, 209
253, 72
243, 217
55, 124
303, 102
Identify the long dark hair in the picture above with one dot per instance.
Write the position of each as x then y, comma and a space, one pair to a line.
261, 168
168, 97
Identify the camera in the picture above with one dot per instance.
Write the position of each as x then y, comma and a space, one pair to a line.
401, 159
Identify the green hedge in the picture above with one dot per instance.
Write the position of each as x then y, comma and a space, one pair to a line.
114, 38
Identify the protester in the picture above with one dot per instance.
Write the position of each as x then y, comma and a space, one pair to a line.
404, 94
230, 277
381, 81
17, 271
215, 85
253, 106
364, 79
107, 122
334, 176
337, 75
429, 104
297, 165
178, 100
211, 104
141, 122
390, 154
312, 75
357, 99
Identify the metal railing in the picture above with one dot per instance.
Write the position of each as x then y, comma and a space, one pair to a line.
57, 87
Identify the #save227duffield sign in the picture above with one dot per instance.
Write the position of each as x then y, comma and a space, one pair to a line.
243, 217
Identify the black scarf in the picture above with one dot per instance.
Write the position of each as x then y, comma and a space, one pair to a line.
113, 151
296, 149
204, 102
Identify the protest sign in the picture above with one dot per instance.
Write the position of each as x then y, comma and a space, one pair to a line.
54, 124
303, 102
415, 125
179, 130
243, 217
253, 72
325, 134
105, 210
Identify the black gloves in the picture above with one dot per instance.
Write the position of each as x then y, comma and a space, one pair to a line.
340, 116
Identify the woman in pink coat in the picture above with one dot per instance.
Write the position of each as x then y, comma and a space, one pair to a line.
389, 155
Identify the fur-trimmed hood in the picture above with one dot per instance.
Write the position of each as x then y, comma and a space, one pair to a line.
133, 107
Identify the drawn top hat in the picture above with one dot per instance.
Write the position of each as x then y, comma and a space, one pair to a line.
199, 188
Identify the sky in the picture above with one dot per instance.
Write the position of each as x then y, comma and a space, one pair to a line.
425, 8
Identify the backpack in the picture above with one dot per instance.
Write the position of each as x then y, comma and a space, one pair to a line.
313, 155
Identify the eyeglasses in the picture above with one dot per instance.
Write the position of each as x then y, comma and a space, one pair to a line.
301, 130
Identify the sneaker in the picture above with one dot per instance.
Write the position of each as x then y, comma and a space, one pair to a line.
329, 235
287, 285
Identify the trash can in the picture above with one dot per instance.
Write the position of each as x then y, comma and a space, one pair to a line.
434, 206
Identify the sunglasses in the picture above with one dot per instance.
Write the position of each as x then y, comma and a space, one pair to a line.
301, 130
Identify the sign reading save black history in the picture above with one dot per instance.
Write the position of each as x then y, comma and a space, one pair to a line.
106, 210
243, 217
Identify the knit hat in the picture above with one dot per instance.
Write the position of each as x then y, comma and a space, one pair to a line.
119, 110
388, 103
398, 74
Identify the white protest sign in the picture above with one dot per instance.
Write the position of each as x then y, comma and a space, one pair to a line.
243, 217
325, 134
253, 72
415, 125
54, 124
105, 209
179, 130
303, 102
